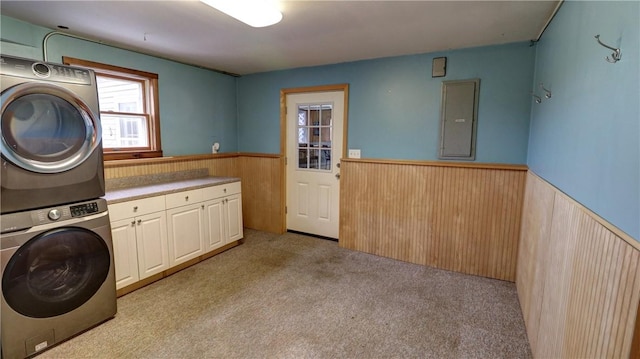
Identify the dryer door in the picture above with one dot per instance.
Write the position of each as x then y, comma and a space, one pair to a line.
55, 272
46, 128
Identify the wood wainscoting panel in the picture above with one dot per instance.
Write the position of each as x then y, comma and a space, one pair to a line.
578, 280
635, 346
262, 191
218, 165
463, 219
534, 240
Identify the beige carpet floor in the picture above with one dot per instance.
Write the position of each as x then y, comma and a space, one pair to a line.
294, 296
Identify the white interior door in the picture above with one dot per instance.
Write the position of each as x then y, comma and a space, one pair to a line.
314, 148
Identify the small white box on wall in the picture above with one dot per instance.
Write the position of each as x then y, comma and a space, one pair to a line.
439, 67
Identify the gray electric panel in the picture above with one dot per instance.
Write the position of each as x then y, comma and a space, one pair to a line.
459, 117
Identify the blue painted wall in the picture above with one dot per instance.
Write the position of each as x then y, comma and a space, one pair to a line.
197, 106
585, 139
394, 104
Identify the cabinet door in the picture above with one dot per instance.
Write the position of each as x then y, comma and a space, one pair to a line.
233, 207
151, 236
186, 233
214, 221
125, 254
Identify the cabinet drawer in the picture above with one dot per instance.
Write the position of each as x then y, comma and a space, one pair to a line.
184, 198
135, 208
221, 190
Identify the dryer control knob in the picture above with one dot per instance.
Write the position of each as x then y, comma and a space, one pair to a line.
54, 215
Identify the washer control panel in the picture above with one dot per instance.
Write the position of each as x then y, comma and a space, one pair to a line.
13, 222
84, 209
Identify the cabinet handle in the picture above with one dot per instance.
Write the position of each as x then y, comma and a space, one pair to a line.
225, 190
202, 206
186, 198
133, 223
135, 208
139, 221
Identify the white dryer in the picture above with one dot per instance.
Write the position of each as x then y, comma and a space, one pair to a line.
51, 135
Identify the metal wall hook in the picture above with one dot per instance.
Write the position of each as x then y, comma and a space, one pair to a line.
538, 99
547, 93
615, 56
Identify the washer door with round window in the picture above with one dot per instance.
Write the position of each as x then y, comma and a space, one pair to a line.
46, 128
55, 272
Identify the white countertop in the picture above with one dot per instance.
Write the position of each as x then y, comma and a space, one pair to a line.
132, 193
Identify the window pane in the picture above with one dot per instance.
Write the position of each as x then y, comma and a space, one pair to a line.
303, 136
120, 95
120, 131
315, 137
303, 158
325, 123
325, 160
326, 115
302, 115
314, 156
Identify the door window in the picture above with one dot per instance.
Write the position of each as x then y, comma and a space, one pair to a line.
315, 134
47, 128
56, 272
43, 127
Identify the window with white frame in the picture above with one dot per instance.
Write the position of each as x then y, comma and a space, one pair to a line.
315, 136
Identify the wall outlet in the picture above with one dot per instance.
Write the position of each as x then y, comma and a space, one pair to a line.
354, 153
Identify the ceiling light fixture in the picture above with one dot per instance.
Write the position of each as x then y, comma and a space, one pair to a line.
256, 13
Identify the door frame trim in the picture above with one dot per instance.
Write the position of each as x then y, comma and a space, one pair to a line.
283, 135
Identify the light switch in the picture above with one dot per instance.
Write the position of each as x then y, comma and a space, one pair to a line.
354, 153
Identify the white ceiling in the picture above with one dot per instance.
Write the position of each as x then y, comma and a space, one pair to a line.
311, 33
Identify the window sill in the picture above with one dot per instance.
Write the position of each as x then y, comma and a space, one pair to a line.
112, 156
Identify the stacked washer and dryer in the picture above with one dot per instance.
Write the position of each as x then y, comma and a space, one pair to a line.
56, 253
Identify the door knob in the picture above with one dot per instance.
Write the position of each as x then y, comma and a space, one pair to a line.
337, 175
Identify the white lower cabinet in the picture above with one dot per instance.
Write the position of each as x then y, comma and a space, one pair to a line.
140, 247
125, 252
223, 215
186, 233
139, 233
153, 234
214, 222
151, 239
233, 217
